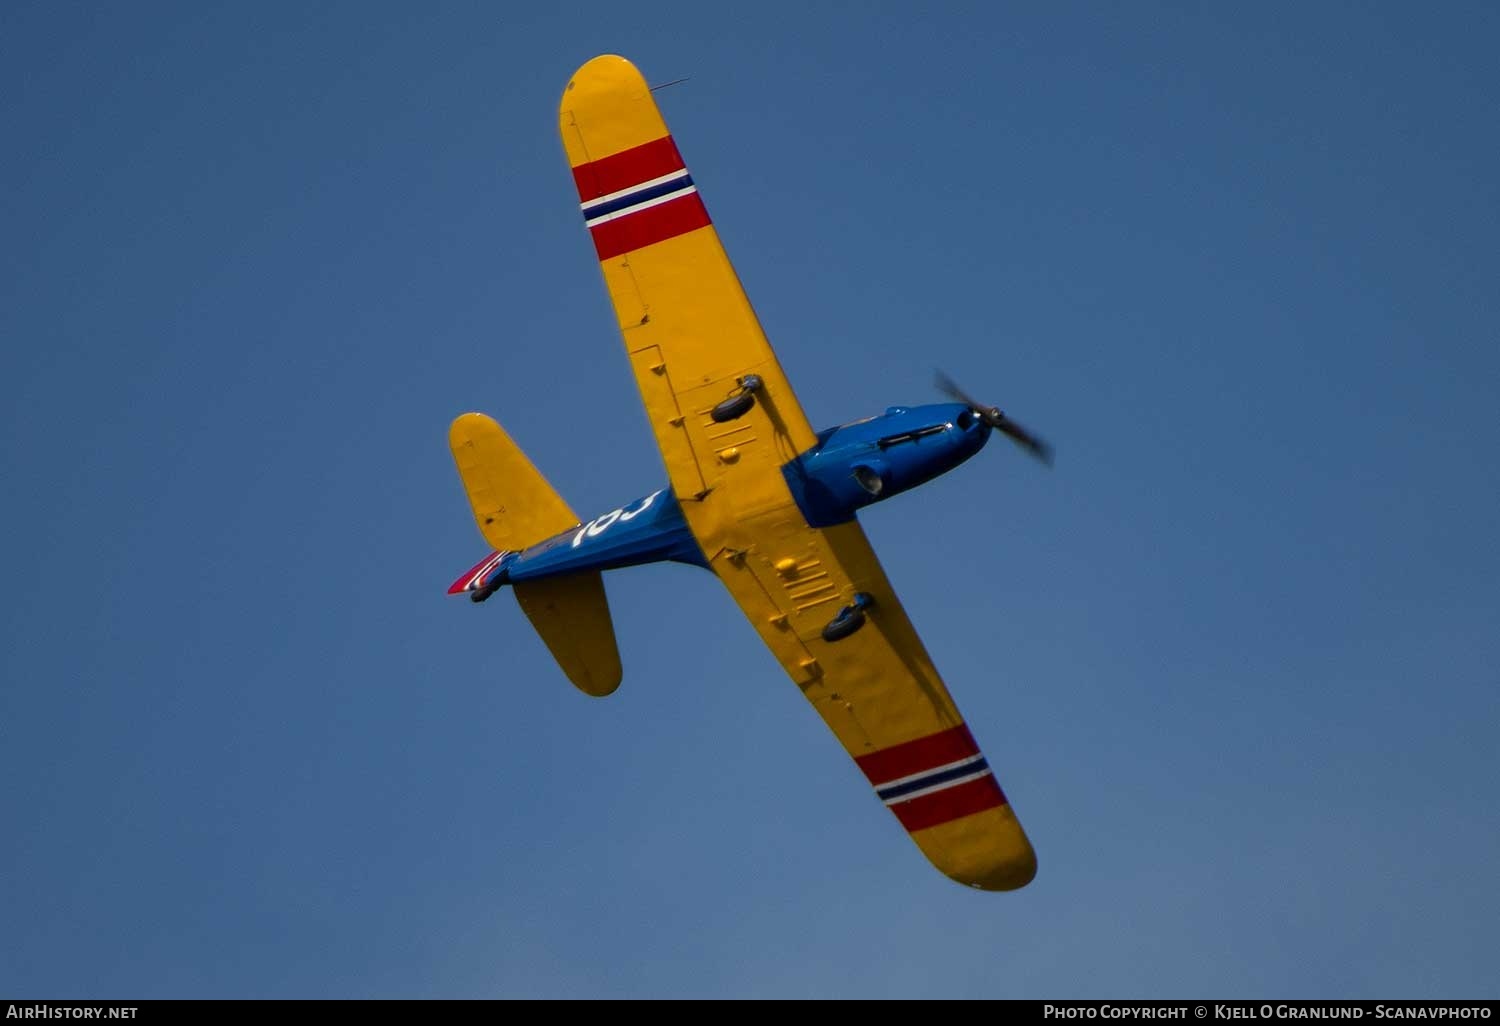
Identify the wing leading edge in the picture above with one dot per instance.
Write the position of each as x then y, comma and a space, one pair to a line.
692, 336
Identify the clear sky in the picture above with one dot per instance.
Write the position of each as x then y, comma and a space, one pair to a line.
1235, 659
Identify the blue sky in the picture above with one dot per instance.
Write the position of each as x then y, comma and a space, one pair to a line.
1235, 660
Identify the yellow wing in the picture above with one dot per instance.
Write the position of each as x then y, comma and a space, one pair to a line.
692, 337
688, 327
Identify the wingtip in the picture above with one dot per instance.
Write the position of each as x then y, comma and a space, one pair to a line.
1010, 874
987, 851
606, 71
466, 423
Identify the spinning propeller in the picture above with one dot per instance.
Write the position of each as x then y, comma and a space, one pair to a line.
992, 417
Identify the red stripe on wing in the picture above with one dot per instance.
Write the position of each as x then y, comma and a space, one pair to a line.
647, 227
627, 168
950, 803
913, 757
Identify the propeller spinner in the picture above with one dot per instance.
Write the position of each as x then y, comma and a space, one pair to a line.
993, 417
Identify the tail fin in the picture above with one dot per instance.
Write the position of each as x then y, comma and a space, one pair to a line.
514, 507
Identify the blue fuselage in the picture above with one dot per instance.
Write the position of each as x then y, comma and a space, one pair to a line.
648, 530
852, 466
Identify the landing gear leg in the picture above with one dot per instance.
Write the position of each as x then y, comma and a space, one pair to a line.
850, 619
738, 404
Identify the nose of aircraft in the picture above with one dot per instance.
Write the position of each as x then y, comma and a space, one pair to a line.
994, 417
970, 432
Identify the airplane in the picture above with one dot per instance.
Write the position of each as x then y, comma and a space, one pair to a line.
754, 494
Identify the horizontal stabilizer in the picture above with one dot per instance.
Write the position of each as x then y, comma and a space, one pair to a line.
515, 507
572, 615
513, 504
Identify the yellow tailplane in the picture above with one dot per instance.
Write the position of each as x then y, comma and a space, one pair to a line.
514, 507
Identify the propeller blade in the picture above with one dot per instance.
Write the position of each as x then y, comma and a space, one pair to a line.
950, 387
993, 417
1025, 439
